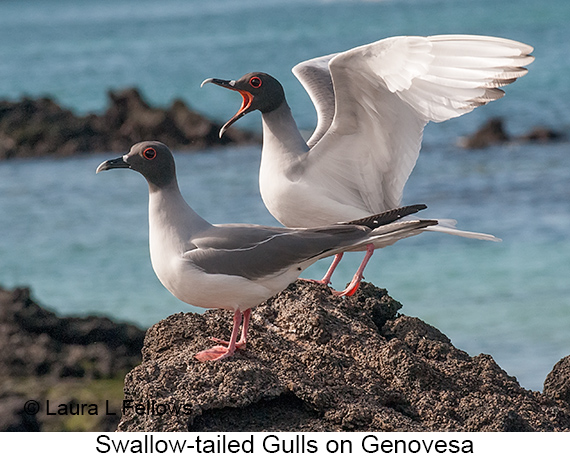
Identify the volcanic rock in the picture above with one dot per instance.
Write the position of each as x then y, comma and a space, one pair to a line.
493, 132
40, 127
316, 362
47, 357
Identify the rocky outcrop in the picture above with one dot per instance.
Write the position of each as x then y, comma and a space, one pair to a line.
493, 132
43, 344
315, 362
40, 127
541, 134
557, 384
47, 357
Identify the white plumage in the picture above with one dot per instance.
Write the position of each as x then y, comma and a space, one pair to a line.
372, 104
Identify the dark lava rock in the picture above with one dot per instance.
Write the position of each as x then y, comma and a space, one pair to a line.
12, 416
542, 134
316, 362
36, 342
40, 127
63, 360
557, 384
492, 132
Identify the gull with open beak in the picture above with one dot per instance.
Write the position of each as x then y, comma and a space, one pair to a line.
373, 103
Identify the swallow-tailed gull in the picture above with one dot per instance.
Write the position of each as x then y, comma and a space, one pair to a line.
372, 104
238, 266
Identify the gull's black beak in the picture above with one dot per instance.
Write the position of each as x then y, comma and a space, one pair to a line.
245, 106
119, 162
219, 82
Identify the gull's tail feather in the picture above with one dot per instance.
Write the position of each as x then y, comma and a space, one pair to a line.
448, 226
387, 217
388, 234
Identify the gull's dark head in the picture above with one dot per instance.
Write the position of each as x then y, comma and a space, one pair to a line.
259, 91
151, 159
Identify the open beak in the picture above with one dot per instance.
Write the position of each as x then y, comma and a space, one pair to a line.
119, 162
246, 103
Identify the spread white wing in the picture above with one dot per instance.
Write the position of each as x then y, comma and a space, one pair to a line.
373, 102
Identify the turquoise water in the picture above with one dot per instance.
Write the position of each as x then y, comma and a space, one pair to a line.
81, 242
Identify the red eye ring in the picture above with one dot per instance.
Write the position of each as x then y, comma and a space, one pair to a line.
255, 82
149, 153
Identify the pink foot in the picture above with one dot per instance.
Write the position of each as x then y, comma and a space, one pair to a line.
239, 344
348, 292
228, 348
321, 281
215, 353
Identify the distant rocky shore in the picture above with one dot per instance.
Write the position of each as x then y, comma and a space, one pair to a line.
493, 132
64, 360
314, 362
41, 127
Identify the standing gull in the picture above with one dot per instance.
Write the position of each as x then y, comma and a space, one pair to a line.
372, 104
238, 266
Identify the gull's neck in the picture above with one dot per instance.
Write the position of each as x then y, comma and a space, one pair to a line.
172, 223
282, 160
283, 144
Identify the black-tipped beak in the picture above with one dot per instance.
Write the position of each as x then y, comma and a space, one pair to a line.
219, 82
119, 162
246, 103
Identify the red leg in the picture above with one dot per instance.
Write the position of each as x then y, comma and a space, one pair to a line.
243, 340
353, 286
221, 352
327, 277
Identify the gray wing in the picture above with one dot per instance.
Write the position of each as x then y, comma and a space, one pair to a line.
315, 77
256, 251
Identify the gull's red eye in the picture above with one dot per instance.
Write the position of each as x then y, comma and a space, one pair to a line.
255, 82
149, 153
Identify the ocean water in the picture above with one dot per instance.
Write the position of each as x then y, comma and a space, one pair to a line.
80, 240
